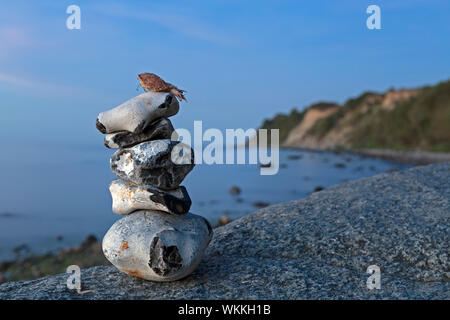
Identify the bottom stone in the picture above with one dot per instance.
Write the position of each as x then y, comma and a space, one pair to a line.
156, 246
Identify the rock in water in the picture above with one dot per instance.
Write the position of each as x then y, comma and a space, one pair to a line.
128, 198
135, 114
156, 246
160, 163
159, 129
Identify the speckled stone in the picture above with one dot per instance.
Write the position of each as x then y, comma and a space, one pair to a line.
314, 248
128, 198
157, 246
153, 163
157, 130
135, 114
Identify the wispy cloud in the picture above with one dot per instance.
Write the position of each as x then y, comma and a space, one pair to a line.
36, 86
13, 38
177, 23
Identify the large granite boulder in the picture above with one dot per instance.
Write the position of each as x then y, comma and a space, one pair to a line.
314, 248
156, 246
135, 114
127, 198
160, 163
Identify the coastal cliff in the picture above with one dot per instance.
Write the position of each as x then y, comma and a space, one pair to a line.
406, 119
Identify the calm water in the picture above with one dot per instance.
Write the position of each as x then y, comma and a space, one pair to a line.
53, 191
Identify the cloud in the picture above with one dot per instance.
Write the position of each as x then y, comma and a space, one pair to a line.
180, 24
40, 87
13, 38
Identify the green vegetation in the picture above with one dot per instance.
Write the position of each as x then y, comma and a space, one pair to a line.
422, 123
88, 254
354, 103
324, 125
283, 122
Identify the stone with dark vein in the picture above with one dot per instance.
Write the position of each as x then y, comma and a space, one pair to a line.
160, 163
315, 248
156, 246
157, 130
128, 198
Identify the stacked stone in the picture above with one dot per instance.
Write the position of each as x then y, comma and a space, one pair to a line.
158, 239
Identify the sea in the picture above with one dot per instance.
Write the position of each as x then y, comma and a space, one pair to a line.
54, 196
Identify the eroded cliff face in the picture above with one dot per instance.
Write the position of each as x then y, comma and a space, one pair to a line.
334, 126
298, 134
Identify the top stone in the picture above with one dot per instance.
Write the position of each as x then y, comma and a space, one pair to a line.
135, 114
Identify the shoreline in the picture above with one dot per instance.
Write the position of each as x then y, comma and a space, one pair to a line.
388, 218
71, 253
415, 157
88, 253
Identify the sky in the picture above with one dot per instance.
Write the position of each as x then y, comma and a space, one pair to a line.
239, 61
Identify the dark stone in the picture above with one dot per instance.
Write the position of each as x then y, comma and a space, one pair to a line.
7, 215
140, 127
223, 221
295, 156
89, 241
210, 229
234, 190
318, 188
260, 204
152, 164
174, 204
164, 260
157, 130
166, 103
100, 126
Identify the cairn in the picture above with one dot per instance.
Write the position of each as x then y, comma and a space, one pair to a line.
157, 239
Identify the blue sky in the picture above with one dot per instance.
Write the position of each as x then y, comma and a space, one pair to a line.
240, 61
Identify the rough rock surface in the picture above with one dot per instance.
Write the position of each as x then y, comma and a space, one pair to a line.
154, 163
156, 246
135, 114
157, 130
315, 248
128, 198
416, 157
